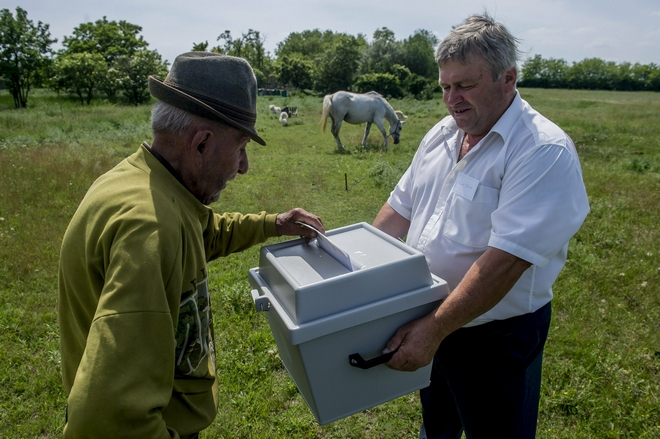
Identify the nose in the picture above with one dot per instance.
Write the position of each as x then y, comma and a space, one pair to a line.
452, 96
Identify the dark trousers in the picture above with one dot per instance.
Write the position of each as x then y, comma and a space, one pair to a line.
486, 380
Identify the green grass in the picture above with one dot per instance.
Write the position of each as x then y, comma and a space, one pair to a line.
602, 363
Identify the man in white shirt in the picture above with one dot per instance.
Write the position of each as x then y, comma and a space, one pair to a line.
492, 197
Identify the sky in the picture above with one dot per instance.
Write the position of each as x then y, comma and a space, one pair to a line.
573, 30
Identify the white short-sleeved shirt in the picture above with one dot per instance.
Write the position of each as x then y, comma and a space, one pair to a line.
519, 189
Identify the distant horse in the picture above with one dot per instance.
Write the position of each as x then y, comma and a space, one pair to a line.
356, 108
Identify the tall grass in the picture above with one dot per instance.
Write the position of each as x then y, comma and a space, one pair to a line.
602, 364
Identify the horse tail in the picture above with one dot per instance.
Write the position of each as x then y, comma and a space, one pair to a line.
327, 103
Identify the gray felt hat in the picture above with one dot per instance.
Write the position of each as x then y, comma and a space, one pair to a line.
213, 86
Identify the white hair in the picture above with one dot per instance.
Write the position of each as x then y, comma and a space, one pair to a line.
166, 118
482, 36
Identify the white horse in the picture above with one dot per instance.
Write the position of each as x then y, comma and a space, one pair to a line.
356, 108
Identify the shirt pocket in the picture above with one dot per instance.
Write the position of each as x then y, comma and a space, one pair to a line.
468, 221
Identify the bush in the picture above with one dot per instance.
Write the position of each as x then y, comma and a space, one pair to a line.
415, 85
384, 83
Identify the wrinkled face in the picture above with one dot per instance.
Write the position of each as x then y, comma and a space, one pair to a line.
224, 156
396, 132
473, 99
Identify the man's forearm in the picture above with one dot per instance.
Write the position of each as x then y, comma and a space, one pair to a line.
489, 279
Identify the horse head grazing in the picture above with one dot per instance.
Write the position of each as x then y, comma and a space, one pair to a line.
395, 128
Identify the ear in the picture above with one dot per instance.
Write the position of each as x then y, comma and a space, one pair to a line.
197, 145
510, 79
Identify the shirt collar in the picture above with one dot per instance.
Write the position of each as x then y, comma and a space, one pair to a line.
505, 124
165, 163
167, 170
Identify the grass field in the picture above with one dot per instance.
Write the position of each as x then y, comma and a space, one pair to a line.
602, 363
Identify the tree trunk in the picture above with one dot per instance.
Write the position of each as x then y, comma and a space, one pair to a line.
90, 92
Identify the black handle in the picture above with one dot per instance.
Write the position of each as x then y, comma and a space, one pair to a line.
356, 360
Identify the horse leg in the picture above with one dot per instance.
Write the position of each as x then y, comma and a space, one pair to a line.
383, 132
335, 132
366, 134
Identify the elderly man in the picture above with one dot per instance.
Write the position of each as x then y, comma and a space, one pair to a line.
492, 197
134, 306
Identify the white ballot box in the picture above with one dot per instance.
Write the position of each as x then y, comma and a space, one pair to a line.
331, 322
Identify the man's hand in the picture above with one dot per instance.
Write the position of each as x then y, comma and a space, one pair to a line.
286, 223
487, 281
417, 342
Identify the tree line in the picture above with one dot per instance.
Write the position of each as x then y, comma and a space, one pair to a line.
326, 61
104, 57
590, 73
111, 59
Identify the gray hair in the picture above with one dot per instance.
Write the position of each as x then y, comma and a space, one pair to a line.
166, 118
482, 36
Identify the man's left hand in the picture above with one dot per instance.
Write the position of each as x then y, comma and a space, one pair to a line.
416, 342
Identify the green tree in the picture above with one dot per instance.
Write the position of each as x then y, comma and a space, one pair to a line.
383, 52
261, 78
544, 73
555, 72
592, 74
249, 46
125, 52
336, 67
531, 73
296, 70
79, 73
653, 79
624, 78
110, 84
418, 54
200, 47
23, 53
110, 39
134, 73
309, 43
642, 76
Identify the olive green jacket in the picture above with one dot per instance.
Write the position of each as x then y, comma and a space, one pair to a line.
134, 307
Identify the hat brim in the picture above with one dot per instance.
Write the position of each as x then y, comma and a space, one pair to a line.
188, 103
